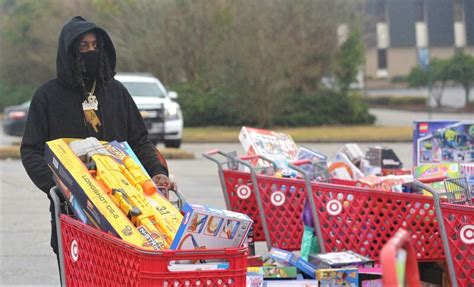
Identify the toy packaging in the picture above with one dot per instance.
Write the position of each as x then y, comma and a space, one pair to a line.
168, 216
254, 279
318, 166
274, 272
437, 170
337, 277
292, 283
340, 260
204, 227
278, 147
443, 141
383, 157
92, 203
467, 170
290, 258
389, 182
341, 167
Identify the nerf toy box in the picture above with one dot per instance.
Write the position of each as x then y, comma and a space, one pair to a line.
443, 141
274, 272
96, 207
294, 260
340, 260
278, 147
337, 277
204, 227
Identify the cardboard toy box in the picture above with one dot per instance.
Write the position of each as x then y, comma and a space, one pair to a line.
340, 260
274, 272
209, 228
278, 147
337, 277
294, 260
341, 167
443, 141
97, 208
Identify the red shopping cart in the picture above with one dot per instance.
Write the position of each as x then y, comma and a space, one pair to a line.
89, 257
399, 249
275, 204
456, 223
363, 220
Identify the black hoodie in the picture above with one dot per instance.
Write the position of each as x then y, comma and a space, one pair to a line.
56, 112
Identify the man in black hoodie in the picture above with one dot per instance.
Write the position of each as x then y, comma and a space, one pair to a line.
83, 101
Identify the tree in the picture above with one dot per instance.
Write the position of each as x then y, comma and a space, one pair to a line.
461, 71
350, 59
436, 74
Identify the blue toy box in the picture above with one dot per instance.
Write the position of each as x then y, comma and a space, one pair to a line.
443, 141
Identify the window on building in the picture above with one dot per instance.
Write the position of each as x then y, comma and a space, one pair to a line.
419, 11
458, 11
382, 59
380, 10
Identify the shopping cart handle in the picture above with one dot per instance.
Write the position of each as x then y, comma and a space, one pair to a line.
212, 152
432, 179
301, 162
249, 157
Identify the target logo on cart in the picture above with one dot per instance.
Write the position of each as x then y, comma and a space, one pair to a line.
467, 234
74, 250
334, 207
244, 192
277, 198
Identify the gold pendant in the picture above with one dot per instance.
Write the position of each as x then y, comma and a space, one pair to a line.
92, 119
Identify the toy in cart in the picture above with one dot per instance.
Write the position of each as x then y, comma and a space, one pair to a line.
443, 141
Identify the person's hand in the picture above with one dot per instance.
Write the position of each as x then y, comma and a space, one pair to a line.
162, 181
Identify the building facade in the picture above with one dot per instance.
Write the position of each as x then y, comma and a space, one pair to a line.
411, 32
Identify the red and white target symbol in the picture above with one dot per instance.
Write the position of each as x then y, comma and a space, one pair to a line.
244, 192
334, 207
277, 198
467, 234
74, 250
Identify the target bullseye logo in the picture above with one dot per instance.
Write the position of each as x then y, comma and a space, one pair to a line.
467, 234
334, 207
244, 192
277, 198
74, 250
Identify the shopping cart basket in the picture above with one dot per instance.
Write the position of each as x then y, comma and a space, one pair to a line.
399, 248
362, 220
89, 257
456, 223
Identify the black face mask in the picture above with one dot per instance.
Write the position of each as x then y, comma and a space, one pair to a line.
90, 64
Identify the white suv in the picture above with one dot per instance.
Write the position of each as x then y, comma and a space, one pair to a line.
162, 115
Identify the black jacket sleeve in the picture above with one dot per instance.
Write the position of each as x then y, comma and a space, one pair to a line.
137, 137
33, 143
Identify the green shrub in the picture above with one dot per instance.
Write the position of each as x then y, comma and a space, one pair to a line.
325, 108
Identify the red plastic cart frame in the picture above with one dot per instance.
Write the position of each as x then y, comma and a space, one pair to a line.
388, 259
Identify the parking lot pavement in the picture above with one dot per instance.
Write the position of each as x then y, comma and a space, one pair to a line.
25, 255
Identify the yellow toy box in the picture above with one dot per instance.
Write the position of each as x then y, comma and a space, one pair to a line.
105, 193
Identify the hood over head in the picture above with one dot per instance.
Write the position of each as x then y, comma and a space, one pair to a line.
76, 27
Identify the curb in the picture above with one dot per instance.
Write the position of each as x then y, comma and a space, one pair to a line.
13, 152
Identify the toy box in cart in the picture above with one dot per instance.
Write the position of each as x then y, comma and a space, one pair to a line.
340, 260
443, 141
106, 192
278, 147
204, 227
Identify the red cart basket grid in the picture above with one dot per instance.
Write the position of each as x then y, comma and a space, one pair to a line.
90, 257
456, 222
363, 220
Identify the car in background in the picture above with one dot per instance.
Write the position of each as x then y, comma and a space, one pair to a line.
160, 112
14, 119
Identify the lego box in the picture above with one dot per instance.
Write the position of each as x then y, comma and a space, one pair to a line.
443, 141
91, 202
278, 147
208, 228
